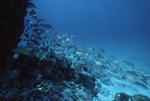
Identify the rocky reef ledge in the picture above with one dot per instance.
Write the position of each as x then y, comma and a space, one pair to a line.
12, 13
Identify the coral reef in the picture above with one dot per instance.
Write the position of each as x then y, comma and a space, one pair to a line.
29, 76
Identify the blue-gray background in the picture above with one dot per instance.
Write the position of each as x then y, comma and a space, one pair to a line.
121, 27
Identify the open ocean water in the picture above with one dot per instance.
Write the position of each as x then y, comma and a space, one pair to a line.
120, 27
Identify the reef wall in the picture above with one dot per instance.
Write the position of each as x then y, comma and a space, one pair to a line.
12, 13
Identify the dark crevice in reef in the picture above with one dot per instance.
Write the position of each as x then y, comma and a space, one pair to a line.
12, 13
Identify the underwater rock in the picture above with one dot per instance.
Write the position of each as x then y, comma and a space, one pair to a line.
139, 97
124, 97
27, 72
121, 97
88, 82
12, 13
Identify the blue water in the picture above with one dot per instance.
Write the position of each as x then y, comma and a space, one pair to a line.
121, 27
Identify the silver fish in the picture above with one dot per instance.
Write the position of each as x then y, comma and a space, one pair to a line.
98, 55
116, 62
21, 50
40, 20
141, 81
113, 57
37, 26
130, 73
31, 5
136, 83
119, 64
114, 69
120, 84
129, 64
117, 77
48, 26
141, 71
70, 46
57, 45
101, 50
131, 87
103, 60
38, 31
